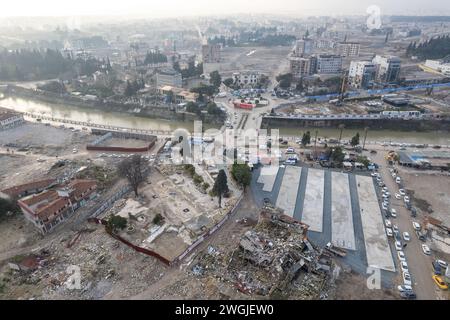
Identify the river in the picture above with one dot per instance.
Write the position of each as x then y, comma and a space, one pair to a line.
430, 137
130, 121
93, 115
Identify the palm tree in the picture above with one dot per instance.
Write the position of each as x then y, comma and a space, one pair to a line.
365, 136
341, 128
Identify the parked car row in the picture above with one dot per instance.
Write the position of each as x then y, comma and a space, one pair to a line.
439, 266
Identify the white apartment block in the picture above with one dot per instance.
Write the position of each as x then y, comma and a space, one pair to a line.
303, 47
388, 68
361, 74
329, 64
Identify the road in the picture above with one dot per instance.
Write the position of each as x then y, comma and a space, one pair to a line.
419, 264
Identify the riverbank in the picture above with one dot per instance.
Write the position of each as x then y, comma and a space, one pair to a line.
411, 125
166, 112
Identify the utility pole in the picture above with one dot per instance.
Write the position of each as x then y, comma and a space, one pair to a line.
315, 145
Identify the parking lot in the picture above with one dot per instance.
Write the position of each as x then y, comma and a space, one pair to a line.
330, 202
419, 264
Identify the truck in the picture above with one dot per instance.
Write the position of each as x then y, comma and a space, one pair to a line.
336, 250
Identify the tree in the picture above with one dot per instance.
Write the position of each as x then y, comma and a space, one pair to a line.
220, 187
242, 174
228, 82
215, 79
192, 107
338, 155
132, 169
212, 108
7, 206
341, 128
306, 139
284, 80
363, 160
355, 140
116, 222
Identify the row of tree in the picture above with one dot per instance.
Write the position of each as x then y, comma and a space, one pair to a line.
21, 65
191, 71
154, 57
435, 48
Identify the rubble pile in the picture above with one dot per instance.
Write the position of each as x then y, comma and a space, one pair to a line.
97, 258
273, 260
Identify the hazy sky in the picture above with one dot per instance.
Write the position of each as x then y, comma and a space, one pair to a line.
167, 8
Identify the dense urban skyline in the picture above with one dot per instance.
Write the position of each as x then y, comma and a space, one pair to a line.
171, 8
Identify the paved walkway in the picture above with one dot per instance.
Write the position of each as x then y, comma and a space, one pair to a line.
342, 232
287, 197
267, 177
377, 247
312, 213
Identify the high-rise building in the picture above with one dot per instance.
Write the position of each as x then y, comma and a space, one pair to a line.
348, 49
388, 68
301, 67
329, 64
211, 53
362, 74
303, 47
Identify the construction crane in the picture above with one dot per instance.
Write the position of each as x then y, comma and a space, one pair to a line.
343, 86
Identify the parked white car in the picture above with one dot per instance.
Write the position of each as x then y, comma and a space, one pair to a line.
393, 213
406, 236
404, 288
388, 223
426, 249
395, 228
407, 279
401, 256
404, 266
389, 232
402, 192
416, 226
398, 245
398, 196
442, 263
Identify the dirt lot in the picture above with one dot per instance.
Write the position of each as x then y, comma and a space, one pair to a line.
430, 190
262, 59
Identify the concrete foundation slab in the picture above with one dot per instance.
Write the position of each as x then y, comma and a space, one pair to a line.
377, 247
312, 213
287, 197
267, 177
342, 232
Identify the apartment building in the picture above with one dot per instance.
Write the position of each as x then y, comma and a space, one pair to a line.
388, 68
362, 74
168, 77
348, 49
301, 67
329, 64
211, 53
303, 47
